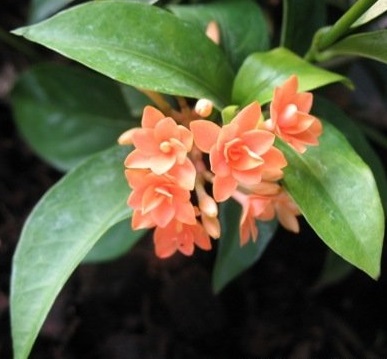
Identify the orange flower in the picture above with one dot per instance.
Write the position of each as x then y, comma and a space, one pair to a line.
239, 152
182, 237
252, 207
156, 200
290, 118
160, 144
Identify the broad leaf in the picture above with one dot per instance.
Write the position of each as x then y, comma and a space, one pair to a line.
377, 9
327, 110
338, 196
117, 241
262, 72
59, 232
243, 27
371, 45
137, 44
67, 114
232, 259
301, 19
41, 9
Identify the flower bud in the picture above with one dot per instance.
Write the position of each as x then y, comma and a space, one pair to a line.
212, 32
204, 107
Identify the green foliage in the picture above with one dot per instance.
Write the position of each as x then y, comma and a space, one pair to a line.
114, 38
60, 231
71, 107
117, 241
72, 118
371, 45
338, 196
40, 9
243, 28
232, 259
262, 72
301, 19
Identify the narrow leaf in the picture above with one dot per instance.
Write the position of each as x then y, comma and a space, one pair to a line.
243, 27
262, 72
232, 259
371, 45
67, 114
301, 19
338, 196
59, 232
377, 9
117, 241
115, 38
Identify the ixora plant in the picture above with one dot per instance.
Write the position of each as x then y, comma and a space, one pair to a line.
218, 140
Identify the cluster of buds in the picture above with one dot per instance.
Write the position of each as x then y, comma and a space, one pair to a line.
184, 165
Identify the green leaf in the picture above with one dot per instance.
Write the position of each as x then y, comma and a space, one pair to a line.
137, 44
301, 19
232, 259
338, 196
377, 9
371, 45
243, 27
59, 232
117, 241
41, 9
262, 72
67, 114
327, 110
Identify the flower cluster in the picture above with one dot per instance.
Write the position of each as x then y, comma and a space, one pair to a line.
183, 165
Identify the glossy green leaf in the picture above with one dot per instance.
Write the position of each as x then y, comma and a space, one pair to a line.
327, 110
262, 72
377, 9
67, 114
137, 44
338, 196
243, 27
301, 19
41, 9
117, 241
371, 45
59, 232
232, 259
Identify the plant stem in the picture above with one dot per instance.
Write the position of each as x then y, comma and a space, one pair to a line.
344, 23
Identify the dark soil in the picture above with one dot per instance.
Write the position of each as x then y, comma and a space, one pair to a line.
140, 307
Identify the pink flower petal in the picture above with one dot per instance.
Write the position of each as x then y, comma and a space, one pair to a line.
205, 134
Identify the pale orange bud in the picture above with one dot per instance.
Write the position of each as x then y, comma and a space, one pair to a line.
211, 226
208, 205
204, 107
213, 32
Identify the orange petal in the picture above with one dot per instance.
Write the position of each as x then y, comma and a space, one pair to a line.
205, 134
248, 118
184, 174
223, 187
136, 159
150, 117
161, 163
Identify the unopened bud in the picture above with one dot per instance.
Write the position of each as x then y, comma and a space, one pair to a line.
204, 107
208, 206
213, 32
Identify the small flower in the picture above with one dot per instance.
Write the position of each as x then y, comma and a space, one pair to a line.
239, 152
290, 118
160, 144
182, 237
252, 207
212, 32
156, 200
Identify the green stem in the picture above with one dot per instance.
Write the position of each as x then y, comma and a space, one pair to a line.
344, 23
327, 36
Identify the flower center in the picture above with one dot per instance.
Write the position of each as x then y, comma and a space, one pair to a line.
165, 147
